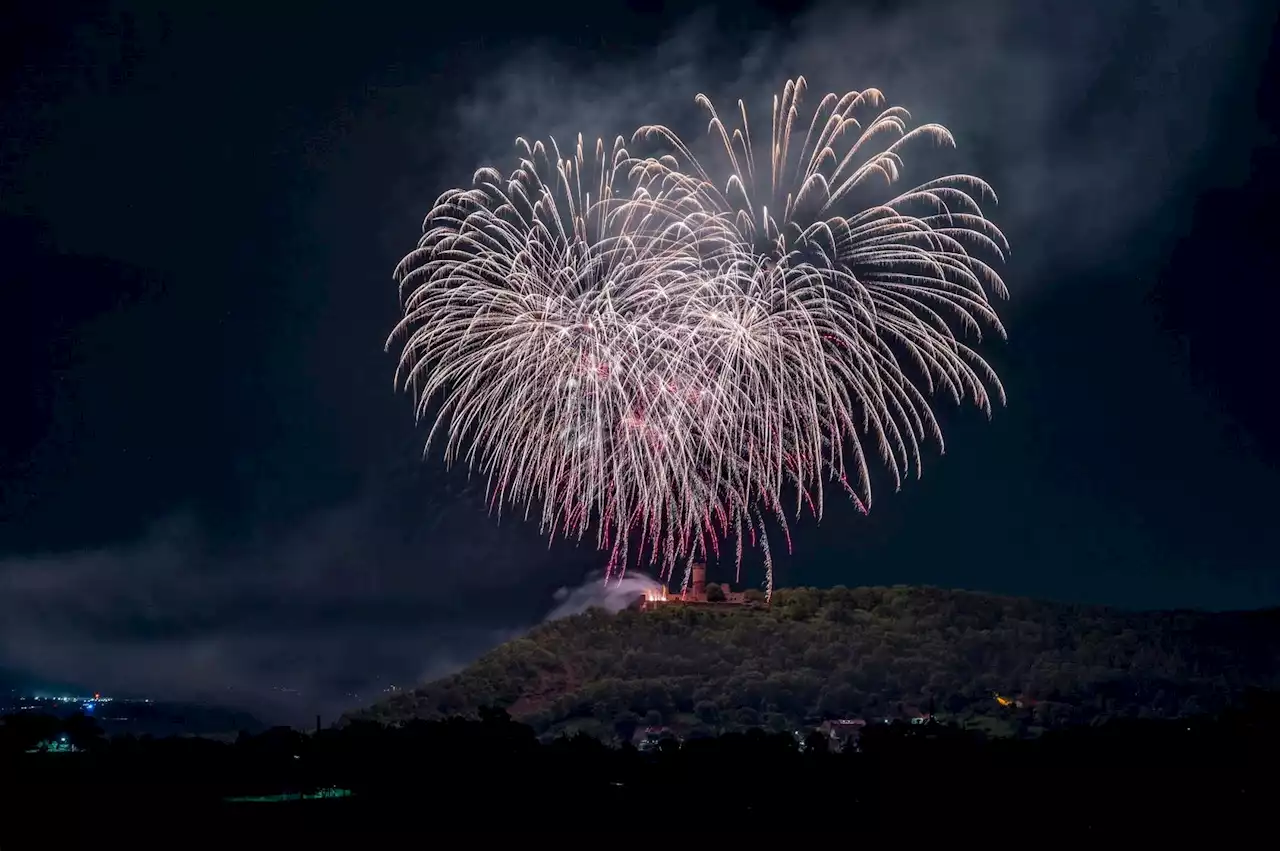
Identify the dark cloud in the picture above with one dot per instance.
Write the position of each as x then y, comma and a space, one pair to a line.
315, 619
1085, 117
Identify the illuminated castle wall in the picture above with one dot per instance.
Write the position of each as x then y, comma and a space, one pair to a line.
696, 594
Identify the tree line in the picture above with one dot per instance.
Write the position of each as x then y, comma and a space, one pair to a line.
489, 770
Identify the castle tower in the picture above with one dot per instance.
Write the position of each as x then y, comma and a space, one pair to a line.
699, 581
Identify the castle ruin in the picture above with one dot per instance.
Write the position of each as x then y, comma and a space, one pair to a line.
695, 594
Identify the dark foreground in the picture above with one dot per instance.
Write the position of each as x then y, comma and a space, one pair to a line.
1209, 777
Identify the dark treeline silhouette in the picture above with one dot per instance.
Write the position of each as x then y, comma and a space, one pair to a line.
492, 774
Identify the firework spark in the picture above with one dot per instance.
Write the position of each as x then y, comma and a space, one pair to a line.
641, 348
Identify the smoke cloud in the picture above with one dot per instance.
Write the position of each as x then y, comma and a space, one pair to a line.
597, 592
1084, 117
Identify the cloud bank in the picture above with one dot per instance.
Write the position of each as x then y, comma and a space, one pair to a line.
320, 618
293, 629
1084, 117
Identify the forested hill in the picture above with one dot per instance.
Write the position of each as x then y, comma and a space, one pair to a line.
859, 653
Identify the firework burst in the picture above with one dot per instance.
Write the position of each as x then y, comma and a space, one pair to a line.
637, 346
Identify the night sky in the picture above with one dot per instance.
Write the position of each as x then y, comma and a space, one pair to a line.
208, 485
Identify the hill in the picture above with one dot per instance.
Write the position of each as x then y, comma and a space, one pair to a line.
867, 652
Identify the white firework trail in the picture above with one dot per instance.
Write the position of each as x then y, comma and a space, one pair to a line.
638, 346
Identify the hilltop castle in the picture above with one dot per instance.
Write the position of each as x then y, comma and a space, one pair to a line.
695, 595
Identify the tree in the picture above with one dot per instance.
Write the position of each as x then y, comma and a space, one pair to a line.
701, 732
715, 594
25, 731
707, 712
625, 725
776, 721
82, 731
755, 595
653, 718
496, 716
816, 742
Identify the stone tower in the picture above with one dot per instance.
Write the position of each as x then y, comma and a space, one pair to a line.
699, 581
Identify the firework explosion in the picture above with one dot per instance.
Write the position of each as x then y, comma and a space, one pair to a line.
669, 358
